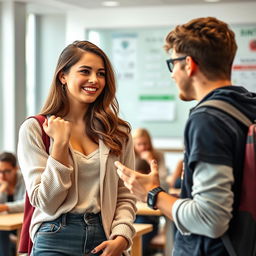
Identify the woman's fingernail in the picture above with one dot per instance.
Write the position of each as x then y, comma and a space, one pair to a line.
93, 251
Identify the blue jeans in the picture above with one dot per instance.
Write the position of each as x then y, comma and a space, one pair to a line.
70, 234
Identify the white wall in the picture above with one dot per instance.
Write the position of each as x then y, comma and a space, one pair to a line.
50, 37
13, 29
79, 21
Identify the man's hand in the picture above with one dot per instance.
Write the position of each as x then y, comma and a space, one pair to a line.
139, 184
147, 155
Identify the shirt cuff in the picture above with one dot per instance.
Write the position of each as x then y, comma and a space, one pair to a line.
125, 231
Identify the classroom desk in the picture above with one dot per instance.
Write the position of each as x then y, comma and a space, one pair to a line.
141, 229
143, 209
11, 221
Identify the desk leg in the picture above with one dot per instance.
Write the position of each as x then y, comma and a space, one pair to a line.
169, 237
18, 241
137, 246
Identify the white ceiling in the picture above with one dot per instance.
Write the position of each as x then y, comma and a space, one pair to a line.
53, 6
93, 4
138, 3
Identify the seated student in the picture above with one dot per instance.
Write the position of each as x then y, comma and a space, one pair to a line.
144, 153
174, 179
144, 149
12, 191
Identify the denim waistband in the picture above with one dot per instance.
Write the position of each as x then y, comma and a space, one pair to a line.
88, 218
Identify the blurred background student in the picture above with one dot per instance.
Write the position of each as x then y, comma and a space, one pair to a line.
144, 153
12, 192
145, 150
174, 179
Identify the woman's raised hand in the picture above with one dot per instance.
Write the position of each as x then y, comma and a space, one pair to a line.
58, 129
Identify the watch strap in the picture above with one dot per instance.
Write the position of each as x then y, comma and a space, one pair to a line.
152, 197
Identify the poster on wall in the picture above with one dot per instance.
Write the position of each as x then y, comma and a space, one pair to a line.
124, 47
244, 68
154, 68
156, 108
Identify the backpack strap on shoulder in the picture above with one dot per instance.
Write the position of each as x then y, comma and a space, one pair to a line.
228, 108
228, 245
46, 139
25, 245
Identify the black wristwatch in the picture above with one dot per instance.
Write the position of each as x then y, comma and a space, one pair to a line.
152, 196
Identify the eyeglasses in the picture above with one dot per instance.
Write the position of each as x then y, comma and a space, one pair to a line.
6, 171
170, 62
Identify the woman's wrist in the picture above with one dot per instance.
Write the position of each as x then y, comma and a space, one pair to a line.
122, 241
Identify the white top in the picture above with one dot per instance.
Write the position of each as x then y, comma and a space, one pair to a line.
88, 182
53, 187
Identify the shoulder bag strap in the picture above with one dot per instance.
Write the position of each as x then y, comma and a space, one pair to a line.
228, 108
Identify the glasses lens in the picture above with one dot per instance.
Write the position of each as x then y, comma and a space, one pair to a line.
169, 64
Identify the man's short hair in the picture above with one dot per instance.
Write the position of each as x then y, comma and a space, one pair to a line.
9, 158
209, 41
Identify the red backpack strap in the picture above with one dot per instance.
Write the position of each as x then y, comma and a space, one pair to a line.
25, 245
46, 139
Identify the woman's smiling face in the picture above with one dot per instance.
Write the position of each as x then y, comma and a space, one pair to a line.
85, 80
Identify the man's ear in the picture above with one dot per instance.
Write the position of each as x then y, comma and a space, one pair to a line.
191, 65
62, 77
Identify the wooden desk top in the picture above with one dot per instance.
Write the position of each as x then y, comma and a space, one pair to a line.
143, 209
142, 229
11, 221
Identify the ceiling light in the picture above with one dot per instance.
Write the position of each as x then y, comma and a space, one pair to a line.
110, 3
212, 1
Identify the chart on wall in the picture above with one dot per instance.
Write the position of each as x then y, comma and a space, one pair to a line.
244, 68
147, 95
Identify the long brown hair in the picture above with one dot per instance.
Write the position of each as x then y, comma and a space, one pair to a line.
102, 121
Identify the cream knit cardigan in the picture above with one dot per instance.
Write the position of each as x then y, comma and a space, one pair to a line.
52, 187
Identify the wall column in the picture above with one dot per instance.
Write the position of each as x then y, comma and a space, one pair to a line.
13, 71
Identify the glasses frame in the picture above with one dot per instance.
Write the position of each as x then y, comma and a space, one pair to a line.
6, 171
170, 62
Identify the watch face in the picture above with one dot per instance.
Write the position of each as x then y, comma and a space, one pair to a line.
150, 201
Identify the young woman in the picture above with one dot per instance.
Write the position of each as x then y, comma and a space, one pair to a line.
81, 205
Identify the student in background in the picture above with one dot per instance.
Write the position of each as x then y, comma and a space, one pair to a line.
144, 154
174, 179
81, 205
202, 55
12, 193
145, 150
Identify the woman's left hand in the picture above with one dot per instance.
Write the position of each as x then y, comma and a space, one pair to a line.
112, 247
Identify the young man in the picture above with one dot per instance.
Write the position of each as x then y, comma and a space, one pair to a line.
12, 192
203, 51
